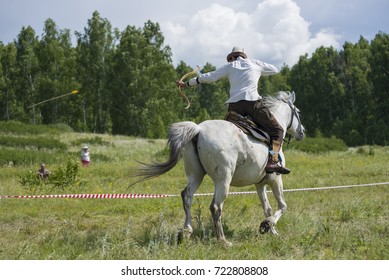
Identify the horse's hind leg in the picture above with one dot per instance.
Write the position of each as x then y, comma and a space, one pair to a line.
187, 199
195, 174
221, 190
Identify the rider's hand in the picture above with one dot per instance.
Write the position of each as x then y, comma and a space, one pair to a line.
181, 84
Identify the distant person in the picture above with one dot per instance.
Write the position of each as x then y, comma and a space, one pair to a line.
85, 156
43, 172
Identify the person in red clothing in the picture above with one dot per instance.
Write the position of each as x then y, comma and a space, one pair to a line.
85, 156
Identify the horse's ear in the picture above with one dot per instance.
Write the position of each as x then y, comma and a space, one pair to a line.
292, 97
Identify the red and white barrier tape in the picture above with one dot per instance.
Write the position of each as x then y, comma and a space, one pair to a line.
120, 195
176, 195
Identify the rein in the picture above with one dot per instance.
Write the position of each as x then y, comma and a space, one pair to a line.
294, 114
194, 71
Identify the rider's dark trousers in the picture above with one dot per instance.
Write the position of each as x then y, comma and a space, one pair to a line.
261, 115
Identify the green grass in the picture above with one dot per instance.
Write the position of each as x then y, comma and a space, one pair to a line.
328, 224
318, 145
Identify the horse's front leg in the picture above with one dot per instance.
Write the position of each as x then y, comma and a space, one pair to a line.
275, 181
261, 191
277, 187
270, 222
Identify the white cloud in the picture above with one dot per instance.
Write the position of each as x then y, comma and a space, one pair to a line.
325, 37
274, 32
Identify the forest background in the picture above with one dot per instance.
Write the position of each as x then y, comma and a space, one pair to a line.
126, 82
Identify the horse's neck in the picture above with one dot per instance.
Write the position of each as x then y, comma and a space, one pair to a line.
282, 115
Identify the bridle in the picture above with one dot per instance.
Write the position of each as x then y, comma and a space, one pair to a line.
294, 114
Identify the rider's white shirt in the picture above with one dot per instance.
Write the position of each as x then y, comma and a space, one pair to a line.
243, 75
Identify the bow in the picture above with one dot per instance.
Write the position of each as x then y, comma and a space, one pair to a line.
194, 71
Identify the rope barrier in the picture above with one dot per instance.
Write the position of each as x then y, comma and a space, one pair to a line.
338, 187
135, 196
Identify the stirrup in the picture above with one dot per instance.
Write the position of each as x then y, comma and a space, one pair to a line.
272, 167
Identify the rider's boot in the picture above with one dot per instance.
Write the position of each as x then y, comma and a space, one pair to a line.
273, 165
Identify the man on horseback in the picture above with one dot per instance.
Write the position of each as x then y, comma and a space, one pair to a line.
243, 74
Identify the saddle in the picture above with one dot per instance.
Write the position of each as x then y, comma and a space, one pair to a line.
248, 126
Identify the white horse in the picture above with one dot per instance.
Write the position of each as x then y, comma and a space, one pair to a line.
230, 157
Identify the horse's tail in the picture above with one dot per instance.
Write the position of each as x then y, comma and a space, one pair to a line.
180, 134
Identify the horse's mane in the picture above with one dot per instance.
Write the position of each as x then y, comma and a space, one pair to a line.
271, 101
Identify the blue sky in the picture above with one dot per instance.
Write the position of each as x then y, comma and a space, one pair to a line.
275, 31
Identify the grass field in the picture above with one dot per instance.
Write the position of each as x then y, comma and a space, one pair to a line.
329, 224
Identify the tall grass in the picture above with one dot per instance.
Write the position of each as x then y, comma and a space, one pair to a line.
331, 224
19, 128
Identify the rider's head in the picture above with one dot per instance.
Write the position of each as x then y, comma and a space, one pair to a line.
235, 53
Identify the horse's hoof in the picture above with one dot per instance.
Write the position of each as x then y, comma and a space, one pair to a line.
183, 234
225, 243
264, 227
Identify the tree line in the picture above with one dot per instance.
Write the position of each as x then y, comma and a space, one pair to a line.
126, 81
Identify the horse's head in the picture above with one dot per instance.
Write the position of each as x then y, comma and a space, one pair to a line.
295, 127
286, 113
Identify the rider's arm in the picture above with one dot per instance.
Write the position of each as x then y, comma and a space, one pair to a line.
210, 77
266, 68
